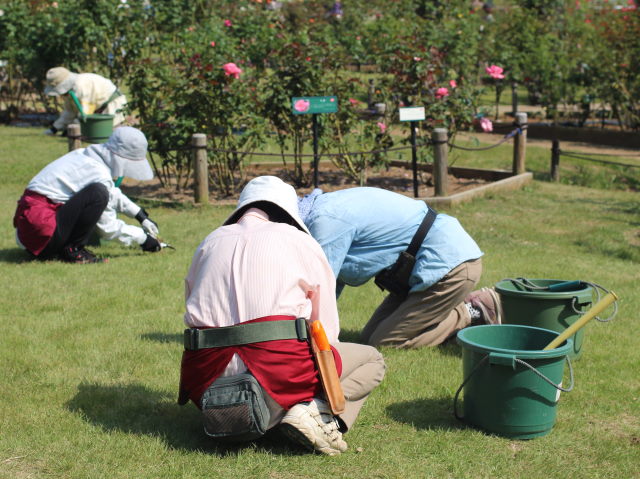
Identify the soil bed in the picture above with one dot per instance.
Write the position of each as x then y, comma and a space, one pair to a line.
330, 178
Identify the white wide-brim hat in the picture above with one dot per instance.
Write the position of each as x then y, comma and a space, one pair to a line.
273, 190
128, 146
59, 81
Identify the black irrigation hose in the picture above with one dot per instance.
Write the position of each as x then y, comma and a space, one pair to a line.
293, 155
506, 137
570, 154
333, 154
167, 150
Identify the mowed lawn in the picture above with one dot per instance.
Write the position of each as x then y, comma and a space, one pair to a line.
90, 354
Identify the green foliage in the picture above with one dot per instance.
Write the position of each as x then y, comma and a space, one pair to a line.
564, 52
187, 91
615, 65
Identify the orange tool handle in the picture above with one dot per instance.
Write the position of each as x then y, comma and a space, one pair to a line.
319, 336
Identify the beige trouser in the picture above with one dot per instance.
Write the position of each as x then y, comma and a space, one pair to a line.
425, 318
362, 370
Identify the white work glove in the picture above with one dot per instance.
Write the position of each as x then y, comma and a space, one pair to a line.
50, 131
149, 226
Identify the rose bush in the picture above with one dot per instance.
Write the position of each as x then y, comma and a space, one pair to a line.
196, 88
229, 68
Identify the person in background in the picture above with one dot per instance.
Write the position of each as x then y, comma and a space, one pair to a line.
76, 194
258, 268
364, 230
94, 93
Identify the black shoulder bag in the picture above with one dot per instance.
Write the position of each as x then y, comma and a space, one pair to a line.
395, 278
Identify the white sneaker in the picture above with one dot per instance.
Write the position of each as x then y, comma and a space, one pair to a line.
314, 426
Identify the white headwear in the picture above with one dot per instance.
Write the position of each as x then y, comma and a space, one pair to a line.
59, 81
273, 190
125, 153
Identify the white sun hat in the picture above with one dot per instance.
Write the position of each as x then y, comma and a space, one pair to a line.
59, 81
128, 148
273, 190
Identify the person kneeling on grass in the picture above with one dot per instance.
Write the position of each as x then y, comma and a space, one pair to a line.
247, 364
426, 260
76, 194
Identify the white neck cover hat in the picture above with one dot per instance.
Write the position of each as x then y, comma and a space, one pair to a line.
59, 81
127, 154
273, 190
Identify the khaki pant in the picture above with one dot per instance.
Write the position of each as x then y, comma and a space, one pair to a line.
425, 318
362, 370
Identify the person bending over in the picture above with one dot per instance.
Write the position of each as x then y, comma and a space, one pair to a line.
364, 232
94, 93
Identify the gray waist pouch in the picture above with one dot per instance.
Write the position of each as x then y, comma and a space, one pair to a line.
234, 409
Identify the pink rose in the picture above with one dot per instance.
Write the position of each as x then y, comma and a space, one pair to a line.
453, 84
231, 69
353, 101
417, 59
382, 127
495, 71
213, 44
442, 92
227, 23
486, 124
301, 105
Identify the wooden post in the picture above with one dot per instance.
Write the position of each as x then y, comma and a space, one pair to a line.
73, 136
514, 97
200, 168
555, 160
520, 144
439, 137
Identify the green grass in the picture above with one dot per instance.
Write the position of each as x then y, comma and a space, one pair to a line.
90, 355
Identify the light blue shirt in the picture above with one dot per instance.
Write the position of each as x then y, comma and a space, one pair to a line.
363, 230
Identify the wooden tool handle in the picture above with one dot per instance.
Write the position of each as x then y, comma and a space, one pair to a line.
330, 381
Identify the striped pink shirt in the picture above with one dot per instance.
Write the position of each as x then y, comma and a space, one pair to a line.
257, 268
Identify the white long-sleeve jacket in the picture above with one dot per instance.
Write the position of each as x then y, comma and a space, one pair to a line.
92, 91
67, 175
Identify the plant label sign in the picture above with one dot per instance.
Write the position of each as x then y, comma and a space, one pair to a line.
412, 113
301, 105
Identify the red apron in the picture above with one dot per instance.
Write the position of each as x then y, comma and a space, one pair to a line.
284, 368
35, 220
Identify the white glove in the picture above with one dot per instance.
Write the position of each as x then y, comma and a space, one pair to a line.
49, 131
150, 227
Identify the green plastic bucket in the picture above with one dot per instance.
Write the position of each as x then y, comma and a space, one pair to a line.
511, 386
554, 310
96, 128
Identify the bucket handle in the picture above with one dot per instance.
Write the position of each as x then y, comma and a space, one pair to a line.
596, 287
538, 373
524, 363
